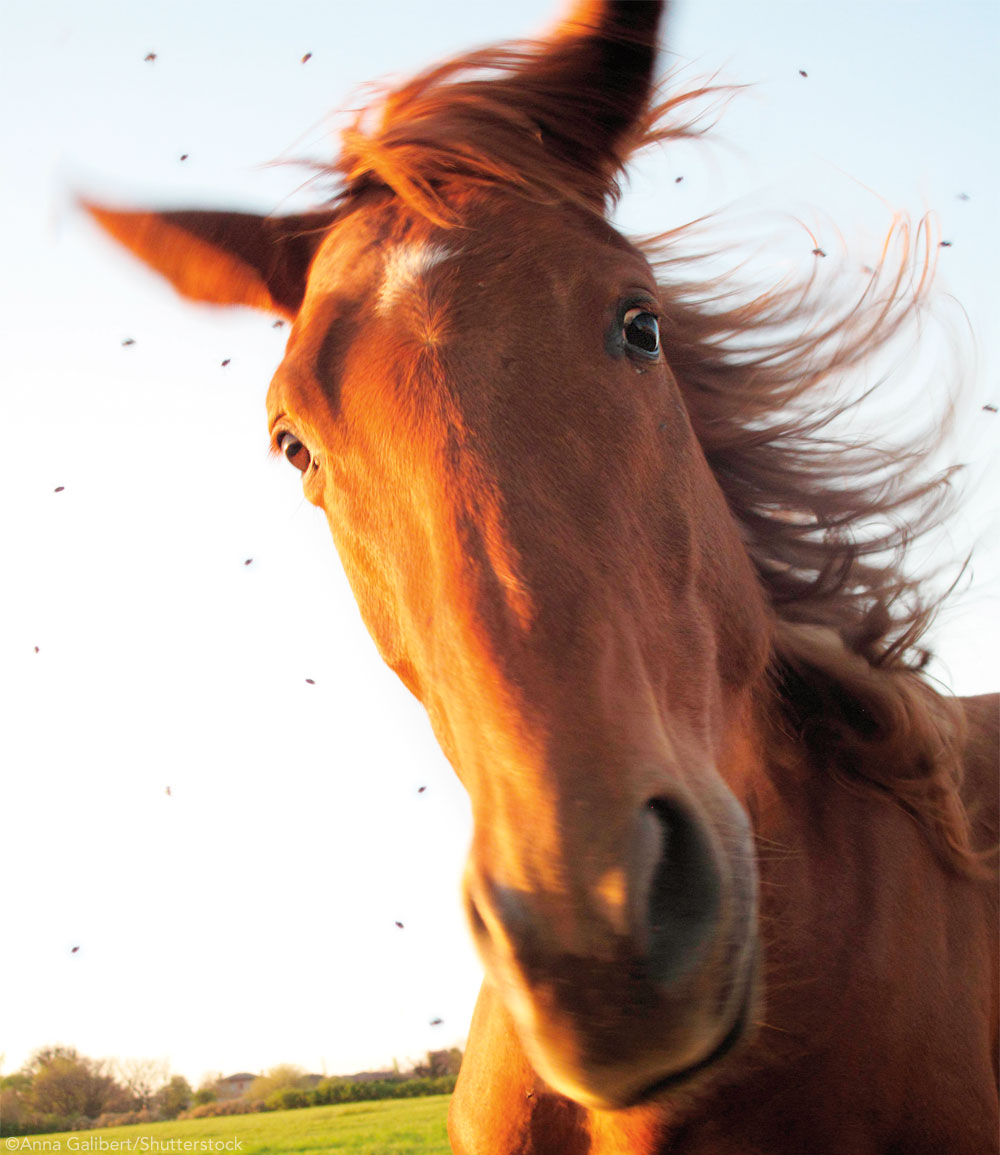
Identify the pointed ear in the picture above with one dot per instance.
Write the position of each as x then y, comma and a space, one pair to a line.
593, 83
224, 258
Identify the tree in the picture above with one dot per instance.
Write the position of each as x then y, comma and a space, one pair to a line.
45, 1055
11, 1110
173, 1097
276, 1079
439, 1063
207, 1091
19, 1081
142, 1078
64, 1083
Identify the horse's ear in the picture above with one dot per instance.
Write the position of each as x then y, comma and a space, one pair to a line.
224, 258
592, 85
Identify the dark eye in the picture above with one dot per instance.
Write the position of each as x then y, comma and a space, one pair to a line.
294, 450
641, 330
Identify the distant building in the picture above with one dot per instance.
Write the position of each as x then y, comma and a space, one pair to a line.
370, 1076
234, 1086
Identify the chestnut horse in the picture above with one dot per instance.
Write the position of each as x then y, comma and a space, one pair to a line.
730, 878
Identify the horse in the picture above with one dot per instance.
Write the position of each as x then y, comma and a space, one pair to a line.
731, 877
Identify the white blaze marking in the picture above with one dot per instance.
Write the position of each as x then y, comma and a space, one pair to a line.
404, 267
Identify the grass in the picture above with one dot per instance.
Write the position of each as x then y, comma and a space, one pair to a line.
385, 1127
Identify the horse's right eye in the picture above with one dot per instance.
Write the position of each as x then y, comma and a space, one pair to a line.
295, 451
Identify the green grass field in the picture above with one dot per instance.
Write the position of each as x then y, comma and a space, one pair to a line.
388, 1127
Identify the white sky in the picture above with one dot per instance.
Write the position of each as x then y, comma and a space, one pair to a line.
249, 918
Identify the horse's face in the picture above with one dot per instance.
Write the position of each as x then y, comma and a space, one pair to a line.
488, 418
489, 421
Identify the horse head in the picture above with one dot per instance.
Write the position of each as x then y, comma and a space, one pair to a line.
479, 392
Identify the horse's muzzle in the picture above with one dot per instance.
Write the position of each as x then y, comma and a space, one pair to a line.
617, 993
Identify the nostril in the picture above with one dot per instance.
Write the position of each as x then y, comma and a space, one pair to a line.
684, 894
502, 924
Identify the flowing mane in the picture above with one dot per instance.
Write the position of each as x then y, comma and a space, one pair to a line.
827, 521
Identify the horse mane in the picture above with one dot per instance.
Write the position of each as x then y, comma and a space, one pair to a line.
486, 119
828, 522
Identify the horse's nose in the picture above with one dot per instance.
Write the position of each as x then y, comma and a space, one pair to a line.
655, 905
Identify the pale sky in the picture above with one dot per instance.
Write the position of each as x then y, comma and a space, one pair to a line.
248, 917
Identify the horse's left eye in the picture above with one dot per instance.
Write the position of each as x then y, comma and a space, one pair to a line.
295, 451
641, 330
